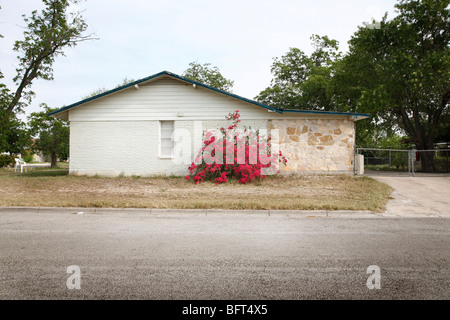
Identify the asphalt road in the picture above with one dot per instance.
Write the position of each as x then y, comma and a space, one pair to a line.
190, 256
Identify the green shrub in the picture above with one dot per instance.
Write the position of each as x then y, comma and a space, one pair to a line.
27, 156
6, 160
400, 161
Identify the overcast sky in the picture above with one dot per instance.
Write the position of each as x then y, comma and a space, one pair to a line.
138, 38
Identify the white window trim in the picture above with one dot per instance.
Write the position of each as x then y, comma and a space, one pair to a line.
160, 155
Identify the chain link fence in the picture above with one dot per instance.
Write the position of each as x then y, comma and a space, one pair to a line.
398, 160
431, 160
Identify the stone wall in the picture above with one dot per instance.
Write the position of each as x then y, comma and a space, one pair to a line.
313, 146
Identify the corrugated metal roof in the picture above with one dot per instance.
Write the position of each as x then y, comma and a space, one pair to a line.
173, 75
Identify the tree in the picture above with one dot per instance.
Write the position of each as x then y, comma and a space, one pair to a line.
52, 135
301, 81
46, 36
210, 76
443, 134
102, 90
400, 72
14, 136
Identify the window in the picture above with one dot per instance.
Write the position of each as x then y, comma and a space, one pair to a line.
166, 136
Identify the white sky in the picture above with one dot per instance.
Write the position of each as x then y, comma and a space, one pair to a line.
138, 38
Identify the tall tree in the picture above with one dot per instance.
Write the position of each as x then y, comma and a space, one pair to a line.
47, 34
208, 75
400, 72
301, 81
52, 135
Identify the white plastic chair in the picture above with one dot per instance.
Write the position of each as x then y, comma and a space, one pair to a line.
17, 165
20, 164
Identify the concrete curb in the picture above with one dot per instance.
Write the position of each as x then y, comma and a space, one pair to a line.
312, 214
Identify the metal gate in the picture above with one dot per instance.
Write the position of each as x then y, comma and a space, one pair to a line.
400, 160
438, 160
383, 160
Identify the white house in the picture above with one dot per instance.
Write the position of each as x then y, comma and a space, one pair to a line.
130, 130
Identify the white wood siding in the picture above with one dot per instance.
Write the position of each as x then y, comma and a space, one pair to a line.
171, 99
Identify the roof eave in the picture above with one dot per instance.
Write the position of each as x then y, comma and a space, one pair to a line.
126, 86
354, 115
227, 93
155, 76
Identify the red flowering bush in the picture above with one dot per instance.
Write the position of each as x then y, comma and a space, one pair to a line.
246, 152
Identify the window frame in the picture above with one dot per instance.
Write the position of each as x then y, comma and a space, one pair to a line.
160, 141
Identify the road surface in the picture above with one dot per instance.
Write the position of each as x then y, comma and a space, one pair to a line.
236, 256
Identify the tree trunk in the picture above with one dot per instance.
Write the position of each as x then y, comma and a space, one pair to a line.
422, 137
54, 160
427, 160
426, 157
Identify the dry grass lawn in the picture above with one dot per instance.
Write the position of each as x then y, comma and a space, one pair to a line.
326, 192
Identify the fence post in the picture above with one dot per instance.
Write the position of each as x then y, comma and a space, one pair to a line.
446, 152
390, 159
412, 156
409, 163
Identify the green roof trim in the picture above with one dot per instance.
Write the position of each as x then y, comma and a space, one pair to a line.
224, 92
173, 75
354, 114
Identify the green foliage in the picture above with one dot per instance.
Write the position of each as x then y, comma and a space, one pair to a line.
27, 156
6, 160
400, 72
46, 36
94, 93
392, 142
301, 81
399, 160
14, 137
443, 133
52, 134
210, 76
